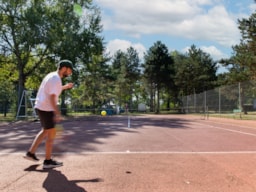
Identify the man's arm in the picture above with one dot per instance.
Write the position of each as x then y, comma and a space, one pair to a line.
53, 100
67, 86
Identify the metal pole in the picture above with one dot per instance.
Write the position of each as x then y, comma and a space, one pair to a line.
219, 100
194, 101
205, 101
239, 96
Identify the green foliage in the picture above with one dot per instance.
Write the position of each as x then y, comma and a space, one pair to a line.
95, 81
36, 34
158, 72
125, 70
7, 89
242, 64
195, 71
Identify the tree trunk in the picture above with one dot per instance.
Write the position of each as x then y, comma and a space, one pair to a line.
158, 101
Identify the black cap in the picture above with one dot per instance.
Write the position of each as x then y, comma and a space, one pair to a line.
65, 63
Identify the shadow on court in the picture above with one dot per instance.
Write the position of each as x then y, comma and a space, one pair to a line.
157, 153
57, 181
81, 134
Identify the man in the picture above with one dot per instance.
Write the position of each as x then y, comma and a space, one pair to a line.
48, 112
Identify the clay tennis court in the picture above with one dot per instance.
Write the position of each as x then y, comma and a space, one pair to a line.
157, 153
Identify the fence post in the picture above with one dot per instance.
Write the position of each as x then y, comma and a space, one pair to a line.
219, 101
205, 102
239, 96
195, 101
187, 104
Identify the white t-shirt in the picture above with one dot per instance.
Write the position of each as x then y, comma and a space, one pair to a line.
50, 85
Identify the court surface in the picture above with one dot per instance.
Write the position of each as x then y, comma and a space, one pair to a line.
156, 153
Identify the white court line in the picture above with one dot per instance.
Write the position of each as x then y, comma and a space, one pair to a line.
233, 124
230, 130
175, 152
163, 152
145, 152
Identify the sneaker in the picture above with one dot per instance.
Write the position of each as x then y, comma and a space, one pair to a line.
31, 157
51, 164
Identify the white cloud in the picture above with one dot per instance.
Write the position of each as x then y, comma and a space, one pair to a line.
215, 53
197, 19
253, 7
117, 44
215, 26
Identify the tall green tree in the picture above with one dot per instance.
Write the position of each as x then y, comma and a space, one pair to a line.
7, 93
157, 71
120, 85
131, 73
126, 73
36, 34
21, 35
195, 71
94, 84
242, 64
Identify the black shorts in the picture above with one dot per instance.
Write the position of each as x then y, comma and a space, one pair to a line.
46, 118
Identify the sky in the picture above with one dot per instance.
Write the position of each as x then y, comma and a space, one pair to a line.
211, 25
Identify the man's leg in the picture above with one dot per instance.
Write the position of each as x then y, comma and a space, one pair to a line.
49, 162
38, 140
51, 133
30, 155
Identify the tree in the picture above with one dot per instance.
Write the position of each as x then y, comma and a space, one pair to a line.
35, 34
7, 88
243, 61
242, 64
23, 35
94, 83
157, 72
195, 71
126, 73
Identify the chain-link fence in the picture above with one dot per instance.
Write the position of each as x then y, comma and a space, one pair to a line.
231, 99
239, 98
